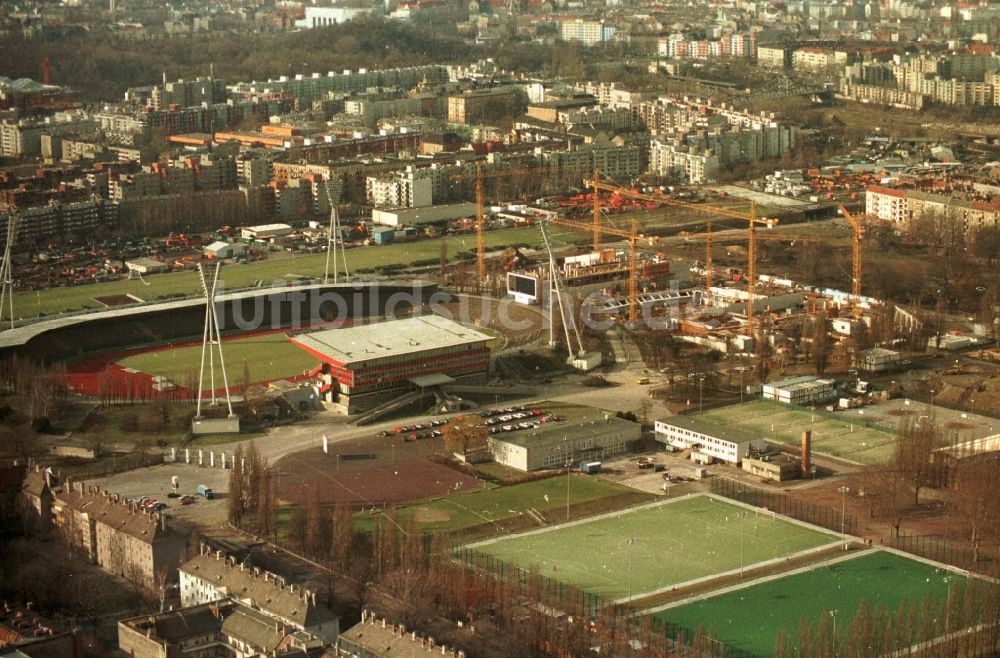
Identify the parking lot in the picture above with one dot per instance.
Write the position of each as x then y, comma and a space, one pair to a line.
156, 482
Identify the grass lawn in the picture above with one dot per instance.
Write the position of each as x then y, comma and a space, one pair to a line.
750, 618
831, 436
502, 504
671, 543
268, 356
278, 266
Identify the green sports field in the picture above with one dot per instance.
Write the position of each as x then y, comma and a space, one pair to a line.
498, 505
750, 618
268, 357
670, 543
830, 435
278, 266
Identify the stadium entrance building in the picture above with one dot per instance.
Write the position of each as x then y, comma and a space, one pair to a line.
365, 365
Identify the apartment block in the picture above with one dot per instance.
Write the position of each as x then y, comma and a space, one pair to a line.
412, 188
118, 536
587, 32
213, 576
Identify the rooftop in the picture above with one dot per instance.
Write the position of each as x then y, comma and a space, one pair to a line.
379, 638
557, 432
263, 590
382, 340
799, 383
717, 430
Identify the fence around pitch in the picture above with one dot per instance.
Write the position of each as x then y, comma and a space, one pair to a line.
782, 503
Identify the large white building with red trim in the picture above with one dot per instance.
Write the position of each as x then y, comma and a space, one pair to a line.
365, 365
901, 206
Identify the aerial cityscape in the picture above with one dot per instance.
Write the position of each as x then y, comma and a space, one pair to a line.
499, 328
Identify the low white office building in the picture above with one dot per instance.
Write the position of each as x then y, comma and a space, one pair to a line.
720, 442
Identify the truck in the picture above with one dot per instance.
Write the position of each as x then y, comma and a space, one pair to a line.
590, 467
205, 491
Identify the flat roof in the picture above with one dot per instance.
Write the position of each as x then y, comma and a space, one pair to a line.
549, 433
974, 447
803, 382
717, 430
368, 342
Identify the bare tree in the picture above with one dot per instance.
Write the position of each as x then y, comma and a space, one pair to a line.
465, 433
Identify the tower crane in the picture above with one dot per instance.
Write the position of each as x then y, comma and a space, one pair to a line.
857, 233
479, 176
633, 256
751, 218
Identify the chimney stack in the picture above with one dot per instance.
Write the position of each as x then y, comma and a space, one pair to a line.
806, 453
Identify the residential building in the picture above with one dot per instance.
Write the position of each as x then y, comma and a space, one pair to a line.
326, 16
718, 442
212, 577
220, 628
587, 32
683, 162
778, 57
817, 59
803, 391
35, 501
411, 188
187, 93
556, 445
373, 637
118, 536
902, 206
484, 105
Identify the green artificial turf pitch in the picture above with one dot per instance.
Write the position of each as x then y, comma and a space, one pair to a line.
671, 543
781, 422
749, 619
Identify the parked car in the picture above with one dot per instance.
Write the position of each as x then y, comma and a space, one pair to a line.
645, 462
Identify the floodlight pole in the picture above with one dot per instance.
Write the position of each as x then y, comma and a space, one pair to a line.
833, 638
630, 541
843, 514
211, 338
7, 268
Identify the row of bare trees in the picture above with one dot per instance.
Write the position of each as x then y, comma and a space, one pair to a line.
969, 482
38, 390
962, 624
253, 493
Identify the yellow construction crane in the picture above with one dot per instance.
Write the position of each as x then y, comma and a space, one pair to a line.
633, 257
480, 218
751, 218
857, 233
709, 261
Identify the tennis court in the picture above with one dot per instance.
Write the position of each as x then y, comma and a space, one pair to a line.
836, 434
749, 619
655, 546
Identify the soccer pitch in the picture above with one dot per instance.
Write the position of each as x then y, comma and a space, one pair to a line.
497, 505
784, 423
268, 357
750, 618
653, 547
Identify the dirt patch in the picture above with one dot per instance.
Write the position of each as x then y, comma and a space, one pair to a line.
424, 515
958, 425
396, 472
900, 412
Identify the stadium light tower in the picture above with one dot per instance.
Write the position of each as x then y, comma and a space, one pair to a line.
843, 513
211, 339
7, 268
333, 238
